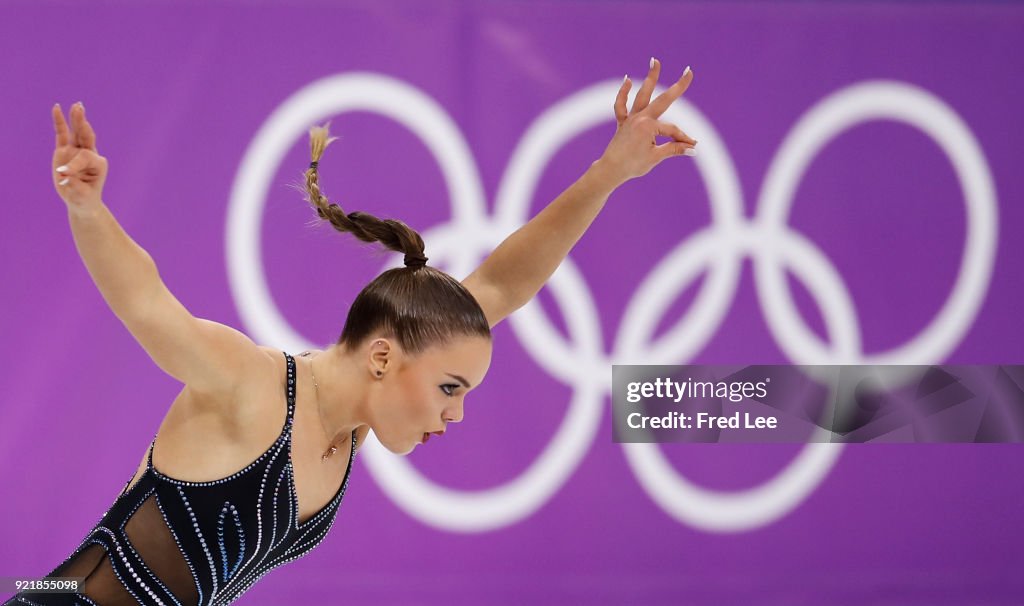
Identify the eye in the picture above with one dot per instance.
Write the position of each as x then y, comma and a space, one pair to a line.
444, 387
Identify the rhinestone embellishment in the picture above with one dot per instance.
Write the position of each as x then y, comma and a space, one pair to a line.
239, 510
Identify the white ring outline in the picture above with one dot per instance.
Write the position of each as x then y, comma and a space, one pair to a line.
248, 196
290, 121
829, 117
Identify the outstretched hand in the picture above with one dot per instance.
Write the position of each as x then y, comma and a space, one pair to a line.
633, 150
78, 170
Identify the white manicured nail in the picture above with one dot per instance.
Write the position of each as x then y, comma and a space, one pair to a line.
626, 78
652, 62
65, 181
62, 169
686, 71
690, 152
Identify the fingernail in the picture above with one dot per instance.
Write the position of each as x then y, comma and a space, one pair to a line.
626, 78
690, 152
686, 71
65, 181
62, 169
652, 62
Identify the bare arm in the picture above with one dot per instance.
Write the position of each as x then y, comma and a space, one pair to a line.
208, 357
122, 270
523, 262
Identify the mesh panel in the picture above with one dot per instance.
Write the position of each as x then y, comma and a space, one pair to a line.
149, 539
100, 585
149, 535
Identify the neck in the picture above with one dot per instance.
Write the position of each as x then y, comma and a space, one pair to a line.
342, 392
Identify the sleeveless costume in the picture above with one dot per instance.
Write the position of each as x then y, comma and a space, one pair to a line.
175, 543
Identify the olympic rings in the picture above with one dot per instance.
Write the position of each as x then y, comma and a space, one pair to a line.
579, 362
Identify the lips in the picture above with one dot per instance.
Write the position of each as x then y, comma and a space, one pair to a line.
426, 436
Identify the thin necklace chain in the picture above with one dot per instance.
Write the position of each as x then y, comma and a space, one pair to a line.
319, 414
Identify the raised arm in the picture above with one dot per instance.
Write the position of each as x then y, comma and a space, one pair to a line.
520, 265
208, 357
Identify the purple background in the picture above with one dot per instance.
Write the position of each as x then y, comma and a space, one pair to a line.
176, 92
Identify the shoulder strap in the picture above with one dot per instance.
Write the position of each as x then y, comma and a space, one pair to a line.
290, 388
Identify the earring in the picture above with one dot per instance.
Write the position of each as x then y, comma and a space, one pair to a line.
379, 373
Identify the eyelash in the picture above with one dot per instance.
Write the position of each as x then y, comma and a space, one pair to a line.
449, 393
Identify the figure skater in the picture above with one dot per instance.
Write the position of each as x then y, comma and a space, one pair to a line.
215, 508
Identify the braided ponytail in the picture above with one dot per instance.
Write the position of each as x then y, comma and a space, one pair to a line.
419, 306
393, 234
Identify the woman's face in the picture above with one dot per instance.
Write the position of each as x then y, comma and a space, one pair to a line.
420, 395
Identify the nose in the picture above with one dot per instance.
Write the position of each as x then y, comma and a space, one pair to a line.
454, 414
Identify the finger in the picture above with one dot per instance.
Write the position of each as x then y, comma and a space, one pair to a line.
86, 136
60, 126
620, 100
661, 103
75, 114
74, 166
643, 96
674, 148
667, 129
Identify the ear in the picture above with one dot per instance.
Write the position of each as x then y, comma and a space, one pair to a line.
380, 356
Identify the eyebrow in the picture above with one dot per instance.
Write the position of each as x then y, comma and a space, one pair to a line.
464, 382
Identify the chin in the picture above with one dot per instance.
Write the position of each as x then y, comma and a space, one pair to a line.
402, 449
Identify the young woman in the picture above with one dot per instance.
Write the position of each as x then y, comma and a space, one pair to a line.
214, 508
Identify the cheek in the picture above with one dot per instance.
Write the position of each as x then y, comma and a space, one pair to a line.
413, 400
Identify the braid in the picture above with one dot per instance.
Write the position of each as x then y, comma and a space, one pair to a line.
393, 234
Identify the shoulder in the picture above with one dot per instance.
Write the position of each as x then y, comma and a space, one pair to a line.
274, 358
252, 403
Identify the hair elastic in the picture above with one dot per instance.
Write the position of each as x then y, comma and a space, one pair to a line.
415, 260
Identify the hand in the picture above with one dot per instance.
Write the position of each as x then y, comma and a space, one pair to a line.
634, 151
78, 171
